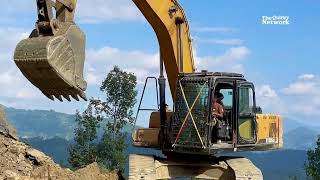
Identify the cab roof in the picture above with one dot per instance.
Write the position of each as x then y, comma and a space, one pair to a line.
225, 75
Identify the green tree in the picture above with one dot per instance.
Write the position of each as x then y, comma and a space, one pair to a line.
119, 88
313, 165
84, 150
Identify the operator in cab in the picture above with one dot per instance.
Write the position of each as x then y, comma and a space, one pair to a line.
217, 115
217, 106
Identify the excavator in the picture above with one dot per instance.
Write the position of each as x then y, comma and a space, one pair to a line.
194, 142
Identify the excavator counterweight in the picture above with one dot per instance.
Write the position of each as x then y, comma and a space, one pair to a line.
52, 58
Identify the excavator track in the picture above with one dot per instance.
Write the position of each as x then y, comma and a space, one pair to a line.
144, 167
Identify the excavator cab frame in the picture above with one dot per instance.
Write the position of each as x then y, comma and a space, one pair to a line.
192, 127
185, 134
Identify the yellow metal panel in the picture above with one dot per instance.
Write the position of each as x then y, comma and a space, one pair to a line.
270, 129
148, 137
155, 119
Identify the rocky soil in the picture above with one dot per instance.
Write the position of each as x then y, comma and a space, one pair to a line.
6, 128
19, 161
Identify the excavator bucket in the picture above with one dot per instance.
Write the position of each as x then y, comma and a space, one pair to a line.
52, 58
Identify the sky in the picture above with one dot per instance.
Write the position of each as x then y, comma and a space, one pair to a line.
282, 60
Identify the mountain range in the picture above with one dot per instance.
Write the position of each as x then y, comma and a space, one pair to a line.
49, 124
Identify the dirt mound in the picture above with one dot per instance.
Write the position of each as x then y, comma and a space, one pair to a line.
18, 161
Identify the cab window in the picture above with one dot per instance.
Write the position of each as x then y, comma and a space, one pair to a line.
228, 97
246, 101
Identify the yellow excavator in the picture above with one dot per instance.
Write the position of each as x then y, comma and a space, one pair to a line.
191, 137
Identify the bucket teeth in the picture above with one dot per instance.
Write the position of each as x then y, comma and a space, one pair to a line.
60, 95
67, 98
75, 96
83, 96
59, 98
49, 96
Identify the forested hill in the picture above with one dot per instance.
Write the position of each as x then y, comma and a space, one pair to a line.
40, 123
49, 124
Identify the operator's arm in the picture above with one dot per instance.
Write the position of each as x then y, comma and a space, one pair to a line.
218, 111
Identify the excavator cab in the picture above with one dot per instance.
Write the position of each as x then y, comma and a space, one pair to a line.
52, 58
194, 129
191, 127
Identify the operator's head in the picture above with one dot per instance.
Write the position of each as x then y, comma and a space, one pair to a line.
218, 97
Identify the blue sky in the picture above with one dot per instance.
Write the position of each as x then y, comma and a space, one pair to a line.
282, 60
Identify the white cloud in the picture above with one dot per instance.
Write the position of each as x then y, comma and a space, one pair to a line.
97, 11
306, 77
230, 42
7, 78
303, 97
27, 93
237, 68
14, 85
92, 79
265, 91
300, 88
269, 100
235, 54
11, 80
214, 29
9, 39
100, 61
230, 61
306, 84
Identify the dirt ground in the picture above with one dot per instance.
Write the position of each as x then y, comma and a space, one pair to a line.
18, 161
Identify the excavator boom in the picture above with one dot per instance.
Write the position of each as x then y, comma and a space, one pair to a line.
172, 29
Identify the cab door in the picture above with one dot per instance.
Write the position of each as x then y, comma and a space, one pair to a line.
246, 113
